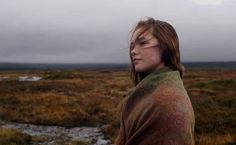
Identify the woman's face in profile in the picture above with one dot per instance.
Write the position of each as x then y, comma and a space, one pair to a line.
145, 52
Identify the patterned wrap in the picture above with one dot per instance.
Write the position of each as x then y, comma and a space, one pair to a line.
157, 111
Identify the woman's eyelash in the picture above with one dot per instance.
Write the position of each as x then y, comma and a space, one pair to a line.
139, 43
143, 42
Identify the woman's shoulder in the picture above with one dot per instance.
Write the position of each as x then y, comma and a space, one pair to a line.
173, 103
168, 90
171, 96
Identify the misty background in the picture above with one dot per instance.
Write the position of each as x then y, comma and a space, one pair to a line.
92, 31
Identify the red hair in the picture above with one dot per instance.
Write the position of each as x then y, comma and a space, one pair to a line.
169, 44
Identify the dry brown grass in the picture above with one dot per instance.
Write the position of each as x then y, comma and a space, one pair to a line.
216, 139
13, 137
89, 97
68, 98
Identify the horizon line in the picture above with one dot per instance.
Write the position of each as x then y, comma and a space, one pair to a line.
104, 62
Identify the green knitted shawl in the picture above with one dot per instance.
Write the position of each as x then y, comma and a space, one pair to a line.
157, 111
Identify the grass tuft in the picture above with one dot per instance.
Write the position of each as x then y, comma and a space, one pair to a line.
13, 137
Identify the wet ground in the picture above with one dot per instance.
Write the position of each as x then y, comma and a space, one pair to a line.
54, 135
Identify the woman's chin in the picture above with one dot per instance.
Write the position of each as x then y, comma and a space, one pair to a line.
139, 69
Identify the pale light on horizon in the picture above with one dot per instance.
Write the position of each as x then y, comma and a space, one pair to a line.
209, 2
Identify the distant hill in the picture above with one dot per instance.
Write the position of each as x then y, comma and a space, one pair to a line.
211, 65
53, 66
74, 66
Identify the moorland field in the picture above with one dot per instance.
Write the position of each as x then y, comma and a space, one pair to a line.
91, 98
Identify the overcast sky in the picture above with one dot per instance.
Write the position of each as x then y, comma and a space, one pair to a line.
78, 31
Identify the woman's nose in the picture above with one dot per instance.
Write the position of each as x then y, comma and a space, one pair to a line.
133, 50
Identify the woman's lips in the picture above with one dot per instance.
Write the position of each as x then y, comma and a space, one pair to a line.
136, 60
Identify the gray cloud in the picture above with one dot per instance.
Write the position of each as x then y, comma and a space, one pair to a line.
98, 31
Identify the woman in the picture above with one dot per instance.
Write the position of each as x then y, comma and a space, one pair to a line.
158, 110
